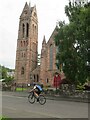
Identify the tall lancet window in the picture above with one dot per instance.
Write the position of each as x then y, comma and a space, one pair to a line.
27, 30
23, 30
51, 57
22, 70
33, 28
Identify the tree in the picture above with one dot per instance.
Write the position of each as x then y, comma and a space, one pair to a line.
3, 74
73, 42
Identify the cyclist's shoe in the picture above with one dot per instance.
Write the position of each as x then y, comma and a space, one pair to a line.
37, 99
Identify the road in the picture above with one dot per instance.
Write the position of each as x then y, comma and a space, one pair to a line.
19, 107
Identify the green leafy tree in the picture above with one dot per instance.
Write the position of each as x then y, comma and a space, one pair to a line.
73, 42
4, 72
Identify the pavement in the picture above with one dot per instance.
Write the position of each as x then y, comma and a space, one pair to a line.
50, 97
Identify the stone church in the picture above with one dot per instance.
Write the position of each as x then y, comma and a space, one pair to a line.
27, 69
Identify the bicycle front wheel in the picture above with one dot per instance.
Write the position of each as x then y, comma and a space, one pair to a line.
31, 98
42, 99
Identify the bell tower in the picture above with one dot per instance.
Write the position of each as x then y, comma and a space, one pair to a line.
27, 44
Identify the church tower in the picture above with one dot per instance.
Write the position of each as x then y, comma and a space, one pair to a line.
27, 45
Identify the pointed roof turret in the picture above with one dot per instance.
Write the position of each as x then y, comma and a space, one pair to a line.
26, 11
26, 4
43, 45
26, 7
44, 40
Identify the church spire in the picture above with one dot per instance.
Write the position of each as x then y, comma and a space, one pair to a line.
43, 45
26, 11
44, 40
26, 6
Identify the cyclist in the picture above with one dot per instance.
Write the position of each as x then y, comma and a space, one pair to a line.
37, 90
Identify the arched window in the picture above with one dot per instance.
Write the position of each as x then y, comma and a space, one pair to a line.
21, 44
47, 80
34, 77
23, 30
33, 28
22, 54
37, 78
22, 70
34, 14
24, 43
27, 30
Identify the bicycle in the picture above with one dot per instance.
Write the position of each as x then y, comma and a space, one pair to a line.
32, 97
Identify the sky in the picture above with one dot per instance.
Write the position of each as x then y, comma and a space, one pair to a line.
49, 13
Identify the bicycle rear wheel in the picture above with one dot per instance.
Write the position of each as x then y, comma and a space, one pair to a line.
42, 99
31, 98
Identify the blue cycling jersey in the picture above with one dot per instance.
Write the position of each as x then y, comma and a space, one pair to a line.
39, 87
